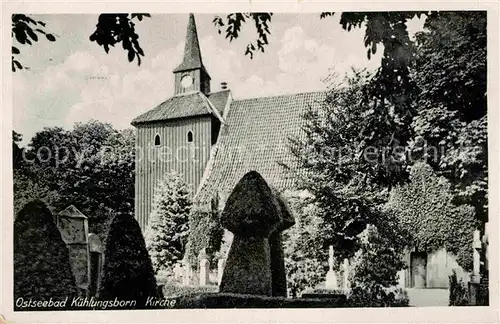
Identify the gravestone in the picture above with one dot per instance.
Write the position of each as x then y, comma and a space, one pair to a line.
186, 280
73, 226
221, 263
251, 213
331, 276
278, 270
345, 273
204, 268
96, 251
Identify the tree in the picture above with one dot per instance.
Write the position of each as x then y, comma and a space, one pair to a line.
376, 264
346, 163
42, 269
80, 167
305, 266
25, 31
111, 29
451, 123
127, 273
168, 225
425, 209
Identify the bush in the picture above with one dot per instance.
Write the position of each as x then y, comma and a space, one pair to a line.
166, 235
170, 291
376, 296
42, 269
376, 264
205, 232
303, 247
127, 272
459, 293
229, 300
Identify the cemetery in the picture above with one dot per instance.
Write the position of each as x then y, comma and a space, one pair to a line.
252, 276
271, 201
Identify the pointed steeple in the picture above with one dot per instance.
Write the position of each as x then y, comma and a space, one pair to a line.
192, 54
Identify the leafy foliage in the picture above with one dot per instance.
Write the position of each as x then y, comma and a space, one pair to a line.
425, 209
305, 266
61, 164
112, 29
25, 31
127, 273
17, 151
459, 293
42, 269
392, 89
346, 163
168, 225
451, 121
375, 266
172, 291
205, 232
233, 23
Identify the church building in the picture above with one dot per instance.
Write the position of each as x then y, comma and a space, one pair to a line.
211, 139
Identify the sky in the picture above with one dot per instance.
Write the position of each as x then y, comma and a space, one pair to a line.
74, 80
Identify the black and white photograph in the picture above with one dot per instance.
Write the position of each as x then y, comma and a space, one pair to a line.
259, 159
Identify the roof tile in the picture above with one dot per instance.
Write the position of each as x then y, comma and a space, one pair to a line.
256, 137
180, 106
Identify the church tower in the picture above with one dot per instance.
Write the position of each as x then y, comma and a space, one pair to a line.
191, 74
179, 133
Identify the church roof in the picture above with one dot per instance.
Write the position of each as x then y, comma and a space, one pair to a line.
256, 137
192, 54
184, 105
219, 99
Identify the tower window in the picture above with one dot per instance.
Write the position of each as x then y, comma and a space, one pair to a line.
190, 137
157, 140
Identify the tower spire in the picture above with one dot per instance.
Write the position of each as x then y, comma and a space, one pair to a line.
192, 54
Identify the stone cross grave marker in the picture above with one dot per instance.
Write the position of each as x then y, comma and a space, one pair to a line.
331, 276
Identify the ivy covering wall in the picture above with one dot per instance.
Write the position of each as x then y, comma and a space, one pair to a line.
205, 232
426, 210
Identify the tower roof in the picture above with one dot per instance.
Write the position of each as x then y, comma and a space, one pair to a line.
192, 54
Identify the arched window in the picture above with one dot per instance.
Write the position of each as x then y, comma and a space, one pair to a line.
157, 140
190, 137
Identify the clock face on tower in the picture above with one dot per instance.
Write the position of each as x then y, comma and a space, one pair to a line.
186, 81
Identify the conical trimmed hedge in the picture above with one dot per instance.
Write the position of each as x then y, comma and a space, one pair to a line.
127, 273
42, 269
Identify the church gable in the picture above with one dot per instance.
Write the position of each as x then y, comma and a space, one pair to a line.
256, 137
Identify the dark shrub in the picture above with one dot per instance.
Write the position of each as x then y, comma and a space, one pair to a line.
127, 273
42, 269
169, 290
230, 300
377, 296
459, 294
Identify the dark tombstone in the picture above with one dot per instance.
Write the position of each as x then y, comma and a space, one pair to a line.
73, 226
276, 245
251, 213
96, 251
